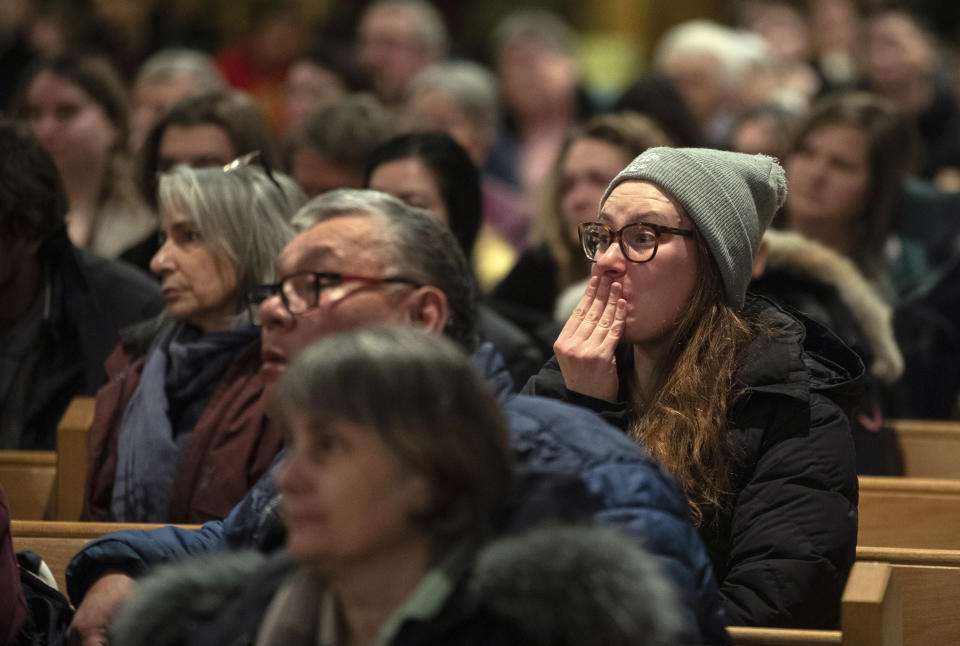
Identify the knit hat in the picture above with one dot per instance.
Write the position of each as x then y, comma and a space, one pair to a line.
731, 198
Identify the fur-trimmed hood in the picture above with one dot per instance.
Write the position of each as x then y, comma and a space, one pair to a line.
796, 254
558, 585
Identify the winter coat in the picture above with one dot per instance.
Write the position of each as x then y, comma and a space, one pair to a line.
633, 492
13, 605
783, 548
827, 287
92, 299
231, 446
548, 584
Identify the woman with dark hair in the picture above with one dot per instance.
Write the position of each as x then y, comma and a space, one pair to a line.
846, 168
739, 400
179, 432
400, 505
77, 107
431, 171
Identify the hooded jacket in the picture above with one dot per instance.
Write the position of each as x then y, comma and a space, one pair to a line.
784, 546
634, 495
90, 300
553, 586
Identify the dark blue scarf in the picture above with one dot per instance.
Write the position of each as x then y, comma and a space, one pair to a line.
182, 371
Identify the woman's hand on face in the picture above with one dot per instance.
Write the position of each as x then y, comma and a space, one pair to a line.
586, 345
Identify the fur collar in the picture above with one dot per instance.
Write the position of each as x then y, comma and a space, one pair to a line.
792, 252
561, 585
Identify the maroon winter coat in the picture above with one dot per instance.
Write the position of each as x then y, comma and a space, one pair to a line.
230, 447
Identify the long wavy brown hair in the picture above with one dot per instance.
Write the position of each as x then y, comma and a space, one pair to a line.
684, 424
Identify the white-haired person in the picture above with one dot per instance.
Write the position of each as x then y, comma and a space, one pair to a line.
739, 400
407, 524
179, 433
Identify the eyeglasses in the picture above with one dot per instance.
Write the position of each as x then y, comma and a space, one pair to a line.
300, 292
638, 241
254, 158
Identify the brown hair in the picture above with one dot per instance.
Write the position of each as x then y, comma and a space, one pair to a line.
684, 424
893, 148
101, 81
631, 132
420, 394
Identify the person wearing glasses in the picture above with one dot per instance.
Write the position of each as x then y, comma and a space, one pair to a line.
179, 433
362, 258
739, 400
399, 507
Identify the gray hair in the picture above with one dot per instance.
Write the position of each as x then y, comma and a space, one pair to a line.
431, 29
470, 84
416, 244
241, 213
178, 62
736, 51
541, 26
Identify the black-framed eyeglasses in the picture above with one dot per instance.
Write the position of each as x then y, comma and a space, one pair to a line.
300, 292
254, 158
638, 241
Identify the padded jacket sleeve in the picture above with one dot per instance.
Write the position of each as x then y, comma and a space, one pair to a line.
134, 552
794, 525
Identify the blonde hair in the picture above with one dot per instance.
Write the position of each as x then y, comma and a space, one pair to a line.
632, 133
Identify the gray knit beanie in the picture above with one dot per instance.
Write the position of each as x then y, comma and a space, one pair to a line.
731, 198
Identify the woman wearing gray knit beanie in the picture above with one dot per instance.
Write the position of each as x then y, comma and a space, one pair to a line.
739, 400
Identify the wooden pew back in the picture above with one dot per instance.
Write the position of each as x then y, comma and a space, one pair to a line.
927, 448
28, 480
72, 434
909, 512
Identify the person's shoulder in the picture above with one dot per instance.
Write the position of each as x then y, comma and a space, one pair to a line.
527, 579
102, 272
574, 424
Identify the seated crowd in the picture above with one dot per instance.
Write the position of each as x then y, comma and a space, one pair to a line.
436, 363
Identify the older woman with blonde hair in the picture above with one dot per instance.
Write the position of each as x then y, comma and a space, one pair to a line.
179, 433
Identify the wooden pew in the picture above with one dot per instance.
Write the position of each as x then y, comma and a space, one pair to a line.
884, 604
57, 542
28, 480
72, 458
909, 512
927, 448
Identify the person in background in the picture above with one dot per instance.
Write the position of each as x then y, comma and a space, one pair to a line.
257, 62
460, 98
431, 171
179, 433
737, 399
846, 167
162, 80
62, 307
317, 78
534, 54
364, 257
590, 156
208, 129
332, 147
903, 65
77, 107
397, 526
395, 40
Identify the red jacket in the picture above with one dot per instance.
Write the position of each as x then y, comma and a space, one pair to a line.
230, 447
13, 607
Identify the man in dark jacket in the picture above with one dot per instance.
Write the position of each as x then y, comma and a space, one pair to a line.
365, 257
62, 308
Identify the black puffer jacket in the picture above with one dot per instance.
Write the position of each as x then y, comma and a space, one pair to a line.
783, 549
